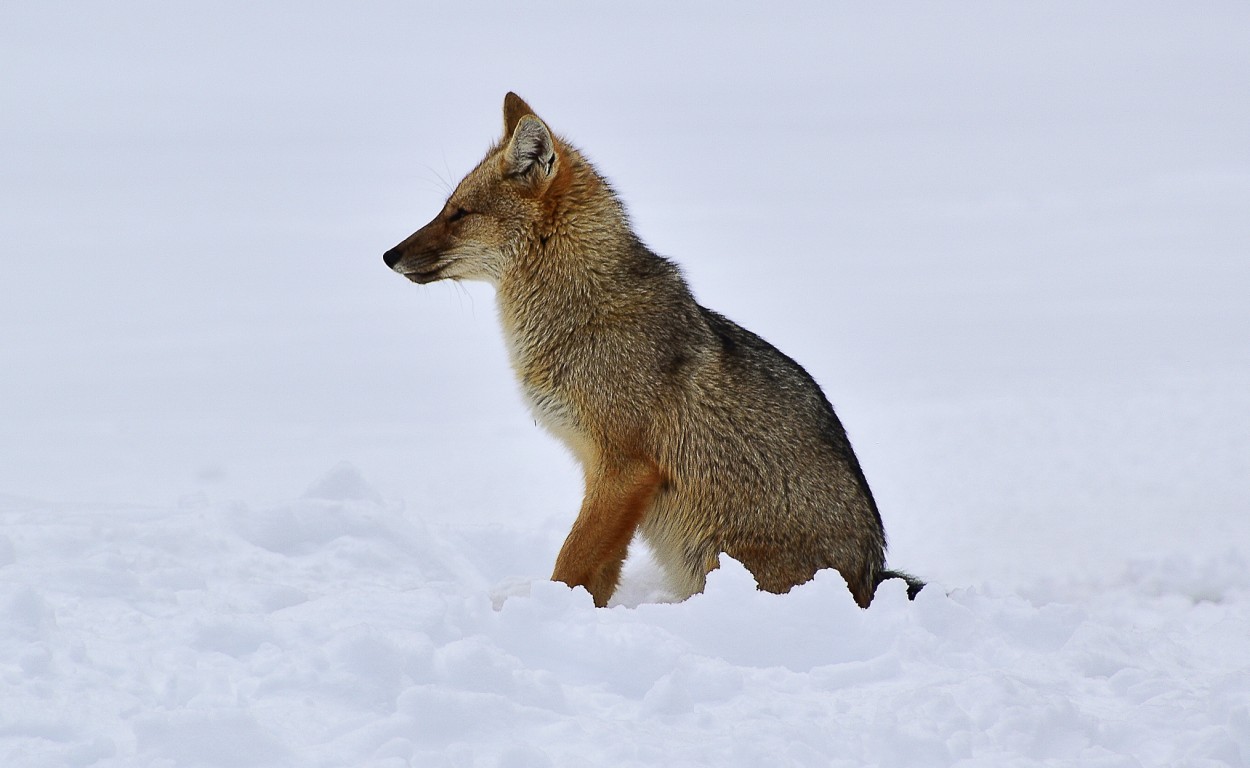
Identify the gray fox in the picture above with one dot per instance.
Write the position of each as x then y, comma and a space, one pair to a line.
690, 430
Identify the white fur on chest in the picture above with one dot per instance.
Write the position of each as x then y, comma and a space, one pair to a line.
549, 404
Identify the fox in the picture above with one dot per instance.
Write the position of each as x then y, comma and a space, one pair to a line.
692, 433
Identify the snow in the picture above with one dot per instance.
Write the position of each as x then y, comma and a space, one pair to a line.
337, 629
263, 502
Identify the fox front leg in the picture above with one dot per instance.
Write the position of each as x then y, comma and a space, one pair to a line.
617, 497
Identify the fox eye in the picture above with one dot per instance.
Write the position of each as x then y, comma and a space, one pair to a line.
457, 215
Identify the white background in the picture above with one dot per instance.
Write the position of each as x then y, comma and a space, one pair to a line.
1009, 241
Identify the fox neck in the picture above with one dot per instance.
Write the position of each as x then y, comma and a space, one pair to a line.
565, 272
567, 267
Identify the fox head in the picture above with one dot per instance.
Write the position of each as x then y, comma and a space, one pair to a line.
501, 209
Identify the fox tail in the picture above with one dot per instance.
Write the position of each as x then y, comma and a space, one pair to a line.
914, 585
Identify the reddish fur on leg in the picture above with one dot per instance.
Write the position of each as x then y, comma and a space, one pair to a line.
617, 497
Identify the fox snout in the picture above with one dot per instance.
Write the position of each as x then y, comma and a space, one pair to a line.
394, 259
414, 259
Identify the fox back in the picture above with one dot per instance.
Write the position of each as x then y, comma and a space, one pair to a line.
690, 429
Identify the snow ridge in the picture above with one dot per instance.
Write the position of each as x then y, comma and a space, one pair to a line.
335, 631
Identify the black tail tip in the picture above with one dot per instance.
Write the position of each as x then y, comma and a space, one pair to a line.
914, 585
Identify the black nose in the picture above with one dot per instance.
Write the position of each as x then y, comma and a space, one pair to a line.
391, 257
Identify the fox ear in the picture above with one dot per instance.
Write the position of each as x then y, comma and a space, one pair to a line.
531, 148
514, 108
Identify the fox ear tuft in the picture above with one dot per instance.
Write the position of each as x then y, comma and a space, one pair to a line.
531, 148
514, 108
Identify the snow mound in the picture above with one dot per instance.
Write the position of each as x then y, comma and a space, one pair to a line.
343, 483
345, 631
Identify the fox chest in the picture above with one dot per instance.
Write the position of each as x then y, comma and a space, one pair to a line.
549, 402
555, 408
549, 387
